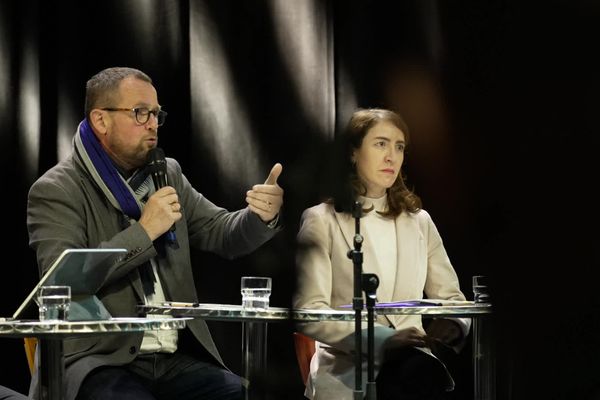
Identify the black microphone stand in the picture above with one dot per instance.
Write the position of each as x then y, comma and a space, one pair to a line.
368, 283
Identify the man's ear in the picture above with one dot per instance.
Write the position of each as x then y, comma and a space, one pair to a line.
99, 121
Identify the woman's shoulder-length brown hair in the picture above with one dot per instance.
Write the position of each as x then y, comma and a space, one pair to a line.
399, 197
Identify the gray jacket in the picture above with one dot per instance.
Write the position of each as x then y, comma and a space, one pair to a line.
66, 209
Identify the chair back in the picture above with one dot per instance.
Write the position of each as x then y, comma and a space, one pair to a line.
305, 348
30, 345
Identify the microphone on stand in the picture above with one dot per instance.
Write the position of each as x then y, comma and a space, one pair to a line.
157, 166
367, 283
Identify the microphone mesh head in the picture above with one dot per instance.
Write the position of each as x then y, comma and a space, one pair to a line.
156, 160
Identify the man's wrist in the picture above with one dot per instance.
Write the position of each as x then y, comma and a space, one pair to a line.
273, 223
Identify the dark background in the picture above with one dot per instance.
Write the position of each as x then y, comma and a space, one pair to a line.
500, 97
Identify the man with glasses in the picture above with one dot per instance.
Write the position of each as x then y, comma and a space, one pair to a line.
103, 195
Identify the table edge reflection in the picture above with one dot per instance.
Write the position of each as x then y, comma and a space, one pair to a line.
231, 312
64, 329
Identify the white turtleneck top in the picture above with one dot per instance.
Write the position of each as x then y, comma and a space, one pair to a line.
380, 231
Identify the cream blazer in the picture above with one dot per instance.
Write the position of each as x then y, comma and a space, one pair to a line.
325, 281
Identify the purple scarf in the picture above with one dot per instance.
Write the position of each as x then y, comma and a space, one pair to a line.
108, 172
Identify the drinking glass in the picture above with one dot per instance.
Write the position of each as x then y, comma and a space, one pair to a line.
54, 303
255, 292
481, 292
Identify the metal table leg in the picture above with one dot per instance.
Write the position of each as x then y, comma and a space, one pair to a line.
484, 360
254, 359
51, 369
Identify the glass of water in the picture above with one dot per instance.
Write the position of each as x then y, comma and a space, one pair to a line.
255, 292
481, 292
54, 302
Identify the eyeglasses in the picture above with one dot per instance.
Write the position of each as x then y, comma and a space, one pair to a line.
142, 114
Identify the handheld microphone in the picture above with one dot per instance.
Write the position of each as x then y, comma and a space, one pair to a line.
157, 166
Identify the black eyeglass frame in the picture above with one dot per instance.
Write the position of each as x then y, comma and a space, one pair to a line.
160, 115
